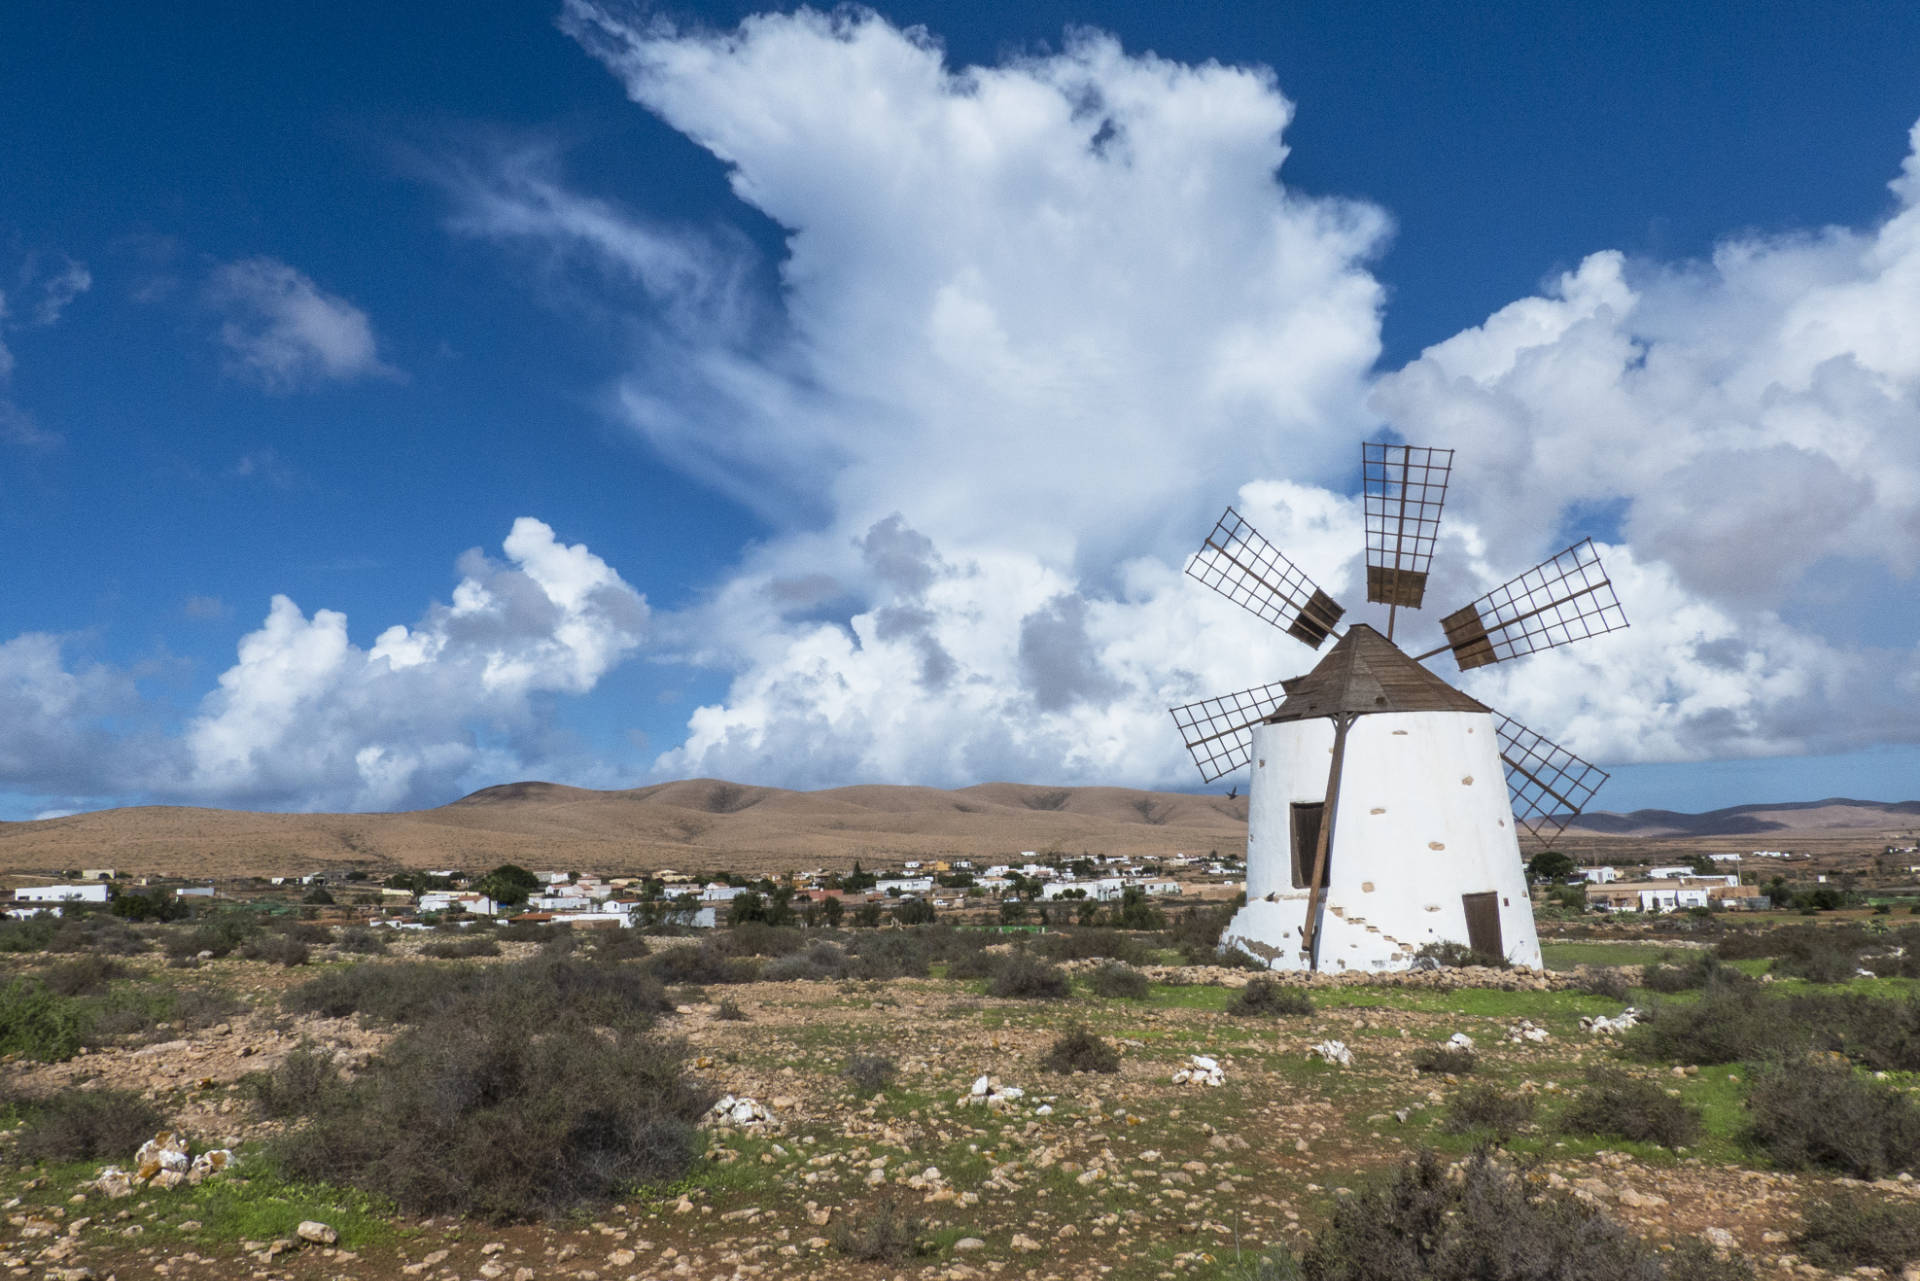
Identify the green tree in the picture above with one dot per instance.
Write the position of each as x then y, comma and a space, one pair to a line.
1550, 865
1137, 912
508, 885
915, 911
1013, 912
746, 907
831, 911
868, 917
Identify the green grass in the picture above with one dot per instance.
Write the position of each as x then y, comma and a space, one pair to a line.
257, 1203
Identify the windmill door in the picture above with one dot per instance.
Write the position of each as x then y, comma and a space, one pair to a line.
1483, 922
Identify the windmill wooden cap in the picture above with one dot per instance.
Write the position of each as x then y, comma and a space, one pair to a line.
1365, 672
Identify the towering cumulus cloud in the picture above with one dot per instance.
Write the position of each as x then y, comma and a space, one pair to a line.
307, 719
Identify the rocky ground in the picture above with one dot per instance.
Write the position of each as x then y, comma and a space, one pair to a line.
1026, 1174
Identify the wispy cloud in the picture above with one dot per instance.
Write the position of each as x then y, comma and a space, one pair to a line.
281, 330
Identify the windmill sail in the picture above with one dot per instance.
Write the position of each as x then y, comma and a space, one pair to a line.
1249, 571
1219, 731
1403, 488
1547, 784
1557, 602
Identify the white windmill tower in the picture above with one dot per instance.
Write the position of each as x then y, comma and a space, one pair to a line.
1375, 822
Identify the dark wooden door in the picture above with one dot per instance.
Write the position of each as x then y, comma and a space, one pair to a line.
1483, 923
1306, 841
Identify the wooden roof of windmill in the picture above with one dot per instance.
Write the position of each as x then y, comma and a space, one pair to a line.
1366, 672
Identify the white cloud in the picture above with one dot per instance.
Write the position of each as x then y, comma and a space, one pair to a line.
285, 332
51, 292
1052, 312
307, 719
54, 718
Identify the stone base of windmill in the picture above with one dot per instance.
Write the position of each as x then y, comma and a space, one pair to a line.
1271, 931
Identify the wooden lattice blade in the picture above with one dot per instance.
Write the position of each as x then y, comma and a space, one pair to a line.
1561, 600
1218, 731
1403, 488
1547, 785
1238, 563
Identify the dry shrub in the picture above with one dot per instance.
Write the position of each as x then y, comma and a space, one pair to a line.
1488, 1109
279, 949
1625, 1107
1266, 998
620, 945
1024, 976
88, 1125
360, 940
1453, 956
1428, 1223
729, 1011
1604, 981
979, 964
1086, 944
699, 964
821, 961
460, 949
885, 1232
305, 1080
1850, 1229
890, 954
1119, 981
538, 1089
870, 1073
1451, 1060
1822, 1115
84, 976
1079, 1050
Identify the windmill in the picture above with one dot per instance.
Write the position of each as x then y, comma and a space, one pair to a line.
1373, 828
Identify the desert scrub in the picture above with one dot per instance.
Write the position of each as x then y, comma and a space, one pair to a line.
83, 976
1488, 1109
552, 1060
460, 949
1027, 977
277, 949
36, 1024
88, 1125
1602, 981
1849, 1229
1822, 1115
1429, 1222
1079, 1050
358, 940
700, 964
1625, 1107
884, 1232
870, 1073
1117, 980
1452, 1060
1265, 998
1453, 956
304, 1081
821, 961
1082, 944
729, 1011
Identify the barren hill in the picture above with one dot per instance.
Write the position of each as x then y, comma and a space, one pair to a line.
1830, 815
688, 825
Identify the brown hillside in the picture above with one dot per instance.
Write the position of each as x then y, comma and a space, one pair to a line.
689, 825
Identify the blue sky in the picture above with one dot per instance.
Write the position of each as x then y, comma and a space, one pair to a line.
827, 405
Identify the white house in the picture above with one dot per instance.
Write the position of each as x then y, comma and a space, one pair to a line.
458, 900
893, 885
1159, 889
716, 893
559, 903
88, 893
1599, 875
1668, 873
1401, 775
1724, 858
1104, 890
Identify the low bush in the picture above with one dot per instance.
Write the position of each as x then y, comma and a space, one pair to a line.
1488, 1109
757, 938
1079, 1050
98, 933
885, 1232
1602, 981
1732, 1022
36, 1024
88, 1125
1451, 1060
1685, 975
1026, 977
128, 1012
460, 949
889, 954
1087, 944
531, 932
279, 949
86, 976
33, 934
870, 1073
1452, 956
1849, 1229
1624, 1107
218, 935
699, 964
1267, 998
551, 1060
1822, 1115
1819, 953
620, 945
1196, 931
1117, 980
301, 1085
1428, 1222
358, 940
821, 961
978, 964
729, 1011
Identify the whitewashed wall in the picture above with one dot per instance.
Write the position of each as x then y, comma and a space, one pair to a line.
1423, 819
